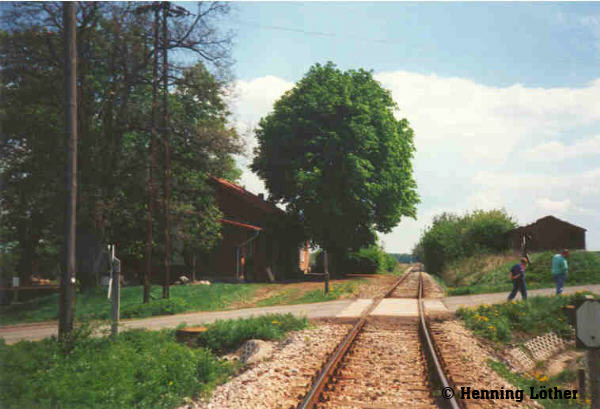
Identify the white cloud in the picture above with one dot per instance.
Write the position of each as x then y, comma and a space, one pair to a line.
554, 206
555, 150
487, 123
478, 146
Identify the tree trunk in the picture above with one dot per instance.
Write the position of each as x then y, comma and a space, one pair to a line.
152, 164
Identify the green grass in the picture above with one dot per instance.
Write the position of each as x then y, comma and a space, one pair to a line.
516, 321
561, 381
94, 304
489, 273
228, 335
138, 369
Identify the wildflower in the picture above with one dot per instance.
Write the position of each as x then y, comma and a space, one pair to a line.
543, 378
170, 383
275, 322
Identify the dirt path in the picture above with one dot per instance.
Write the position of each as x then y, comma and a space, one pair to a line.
356, 286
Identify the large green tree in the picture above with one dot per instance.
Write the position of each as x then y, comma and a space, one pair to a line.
115, 50
335, 154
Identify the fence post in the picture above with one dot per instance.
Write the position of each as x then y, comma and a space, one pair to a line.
115, 265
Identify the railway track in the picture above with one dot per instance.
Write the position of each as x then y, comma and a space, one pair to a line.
384, 362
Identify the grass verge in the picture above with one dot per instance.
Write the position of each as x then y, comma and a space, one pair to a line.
489, 273
514, 321
228, 335
538, 383
94, 304
137, 369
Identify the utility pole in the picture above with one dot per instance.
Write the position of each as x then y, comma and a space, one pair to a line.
67, 282
167, 150
152, 165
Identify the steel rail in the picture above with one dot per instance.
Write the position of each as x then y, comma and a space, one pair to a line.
452, 402
312, 397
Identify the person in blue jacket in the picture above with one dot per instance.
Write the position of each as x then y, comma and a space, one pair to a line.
560, 270
517, 276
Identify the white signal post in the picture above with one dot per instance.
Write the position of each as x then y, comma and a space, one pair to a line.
114, 287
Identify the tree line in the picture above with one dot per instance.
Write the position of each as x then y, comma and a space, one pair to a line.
143, 154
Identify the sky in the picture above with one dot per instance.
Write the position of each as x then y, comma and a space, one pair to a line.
504, 98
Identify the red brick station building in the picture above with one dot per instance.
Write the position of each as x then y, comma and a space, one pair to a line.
252, 248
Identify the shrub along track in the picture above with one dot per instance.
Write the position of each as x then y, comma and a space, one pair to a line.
382, 363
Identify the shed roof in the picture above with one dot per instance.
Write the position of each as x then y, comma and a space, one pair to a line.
247, 196
238, 224
547, 219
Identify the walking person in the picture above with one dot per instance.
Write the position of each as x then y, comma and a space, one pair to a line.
560, 270
517, 276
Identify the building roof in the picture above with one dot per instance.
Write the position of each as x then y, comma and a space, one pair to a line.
238, 224
547, 219
249, 197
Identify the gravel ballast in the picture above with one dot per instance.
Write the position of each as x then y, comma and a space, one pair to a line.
280, 381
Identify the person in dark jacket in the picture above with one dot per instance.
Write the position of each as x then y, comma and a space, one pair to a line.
517, 276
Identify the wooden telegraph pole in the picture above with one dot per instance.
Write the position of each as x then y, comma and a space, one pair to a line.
67, 282
167, 150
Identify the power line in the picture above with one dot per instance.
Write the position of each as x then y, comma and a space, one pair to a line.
319, 33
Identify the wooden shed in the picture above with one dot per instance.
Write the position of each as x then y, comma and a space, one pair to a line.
547, 233
252, 248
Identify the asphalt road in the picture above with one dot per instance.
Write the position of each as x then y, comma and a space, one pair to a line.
37, 331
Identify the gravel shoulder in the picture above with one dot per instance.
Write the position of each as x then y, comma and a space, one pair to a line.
460, 350
279, 382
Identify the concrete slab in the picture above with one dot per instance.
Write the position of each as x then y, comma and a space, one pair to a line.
397, 307
434, 305
355, 309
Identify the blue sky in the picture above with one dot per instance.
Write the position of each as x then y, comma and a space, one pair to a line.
504, 98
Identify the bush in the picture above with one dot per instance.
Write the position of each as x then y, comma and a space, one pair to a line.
228, 335
368, 260
452, 237
168, 306
389, 262
138, 369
